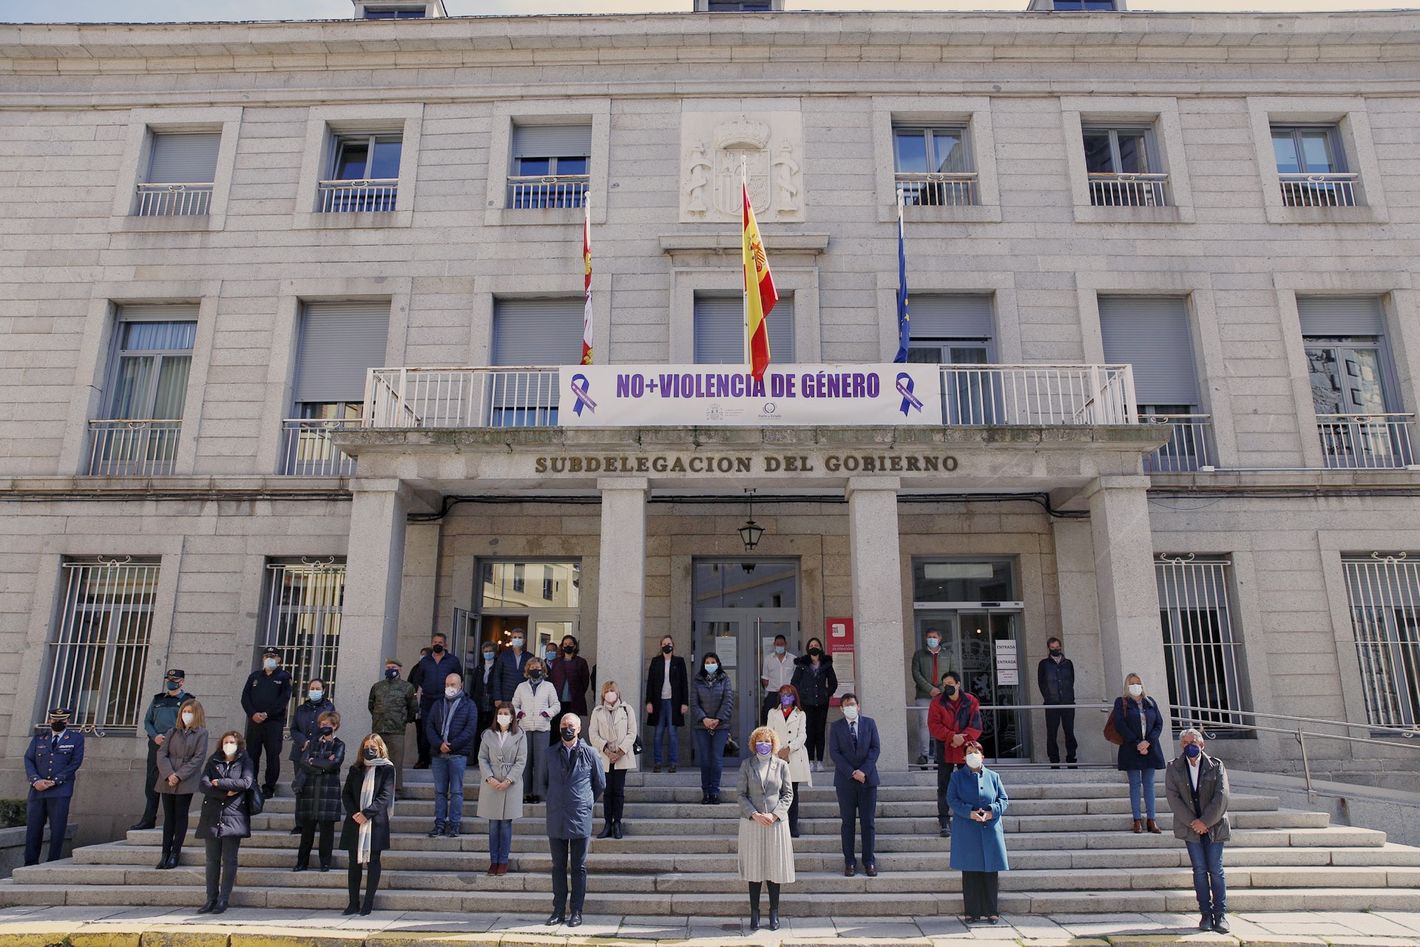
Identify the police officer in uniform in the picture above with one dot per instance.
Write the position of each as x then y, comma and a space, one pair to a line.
160, 718
52, 761
265, 698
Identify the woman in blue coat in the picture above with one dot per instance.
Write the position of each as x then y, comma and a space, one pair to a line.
978, 800
1137, 718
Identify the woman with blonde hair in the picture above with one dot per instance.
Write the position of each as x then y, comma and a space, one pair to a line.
369, 800
180, 760
766, 852
535, 705
612, 733
1140, 724
227, 785
502, 756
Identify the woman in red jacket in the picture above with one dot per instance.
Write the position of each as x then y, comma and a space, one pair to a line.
954, 720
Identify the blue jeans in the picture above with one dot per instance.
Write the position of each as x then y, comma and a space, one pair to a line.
1141, 781
1206, 857
448, 789
671, 733
710, 751
500, 840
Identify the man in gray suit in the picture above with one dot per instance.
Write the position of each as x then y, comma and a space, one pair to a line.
1197, 787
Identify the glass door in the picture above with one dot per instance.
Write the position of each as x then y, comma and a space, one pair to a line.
991, 667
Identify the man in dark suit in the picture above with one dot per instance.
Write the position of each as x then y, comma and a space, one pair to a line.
52, 760
1055, 676
853, 746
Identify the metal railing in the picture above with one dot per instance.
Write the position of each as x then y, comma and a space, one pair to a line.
1318, 190
173, 200
538, 192
462, 397
938, 189
1006, 730
1189, 447
307, 451
1038, 395
132, 448
1129, 190
1365, 441
358, 197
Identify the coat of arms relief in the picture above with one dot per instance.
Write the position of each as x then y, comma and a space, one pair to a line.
719, 149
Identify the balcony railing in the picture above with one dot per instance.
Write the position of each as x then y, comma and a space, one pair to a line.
1318, 190
306, 449
1365, 441
541, 192
173, 200
973, 395
132, 448
939, 189
1189, 447
1129, 190
358, 197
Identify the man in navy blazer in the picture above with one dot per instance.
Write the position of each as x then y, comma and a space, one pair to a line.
853, 746
451, 726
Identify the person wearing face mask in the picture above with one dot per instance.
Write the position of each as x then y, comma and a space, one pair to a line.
816, 682
712, 707
429, 676
227, 783
502, 758
928, 666
978, 800
535, 705
571, 675
180, 760
480, 680
52, 762
368, 798
571, 782
954, 720
160, 718
1139, 723
788, 723
451, 726
612, 733
854, 747
511, 668
393, 707
765, 850
305, 728
777, 671
318, 802
265, 700
1055, 676
667, 703
1196, 785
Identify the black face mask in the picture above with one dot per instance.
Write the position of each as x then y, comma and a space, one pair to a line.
815, 652
326, 731
951, 689
437, 649
371, 753
535, 676
568, 649
57, 726
569, 734
391, 674
667, 649
1056, 652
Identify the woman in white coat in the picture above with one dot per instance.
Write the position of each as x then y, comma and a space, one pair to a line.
502, 755
790, 725
612, 733
535, 705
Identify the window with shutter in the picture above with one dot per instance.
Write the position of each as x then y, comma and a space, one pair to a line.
339, 343
532, 332
550, 166
720, 330
178, 180
1152, 334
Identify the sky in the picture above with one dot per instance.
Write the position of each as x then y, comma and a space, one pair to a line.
150, 11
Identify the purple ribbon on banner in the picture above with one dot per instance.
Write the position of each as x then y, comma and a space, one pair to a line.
584, 400
905, 384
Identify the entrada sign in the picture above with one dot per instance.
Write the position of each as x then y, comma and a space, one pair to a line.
837, 463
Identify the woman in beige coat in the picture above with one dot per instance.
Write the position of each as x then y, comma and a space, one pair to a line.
612, 733
790, 725
502, 756
766, 852
180, 761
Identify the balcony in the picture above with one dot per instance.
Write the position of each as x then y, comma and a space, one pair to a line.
358, 197
307, 451
1318, 190
1189, 447
173, 200
544, 192
1365, 441
958, 189
1129, 190
132, 448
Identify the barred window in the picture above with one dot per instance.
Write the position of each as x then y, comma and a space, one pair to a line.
1202, 652
100, 643
302, 620
1383, 591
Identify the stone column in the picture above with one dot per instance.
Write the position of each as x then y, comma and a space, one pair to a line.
880, 653
374, 569
621, 587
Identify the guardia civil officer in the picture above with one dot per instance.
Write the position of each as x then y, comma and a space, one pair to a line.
265, 697
160, 718
393, 707
52, 761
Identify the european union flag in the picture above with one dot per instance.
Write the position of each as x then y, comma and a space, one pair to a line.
904, 322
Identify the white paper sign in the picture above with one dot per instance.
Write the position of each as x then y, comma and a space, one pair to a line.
1007, 670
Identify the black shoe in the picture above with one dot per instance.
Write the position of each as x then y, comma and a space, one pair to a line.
1205, 923
556, 917
268, 793
1054, 765
366, 909
162, 864
220, 907
452, 831
754, 919
1220, 924
142, 825
295, 830
705, 799
921, 759
945, 831
435, 832
208, 906
325, 866
773, 920
618, 831
575, 920
714, 800
871, 871
606, 831
299, 868
351, 908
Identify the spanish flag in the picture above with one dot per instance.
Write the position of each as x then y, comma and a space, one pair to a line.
586, 282
760, 294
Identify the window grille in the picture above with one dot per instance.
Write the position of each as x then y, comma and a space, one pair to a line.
302, 620
1383, 592
1201, 646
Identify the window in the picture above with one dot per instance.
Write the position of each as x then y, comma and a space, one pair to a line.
395, 13
98, 652
739, 6
549, 583
181, 169
1075, 6
1201, 647
1311, 166
528, 333
520, 581
959, 330
364, 174
933, 166
1124, 168
302, 618
147, 386
339, 342
720, 330
1383, 592
550, 166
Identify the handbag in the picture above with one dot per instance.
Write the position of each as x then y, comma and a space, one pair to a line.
637, 748
1111, 732
255, 801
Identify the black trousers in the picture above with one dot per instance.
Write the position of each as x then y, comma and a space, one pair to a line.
265, 737
765, 706
221, 867
814, 726
944, 776
858, 802
44, 808
419, 736
978, 893
1063, 718
150, 779
794, 813
308, 835
569, 857
614, 799
356, 871
175, 809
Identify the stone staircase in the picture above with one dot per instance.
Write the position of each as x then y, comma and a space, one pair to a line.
1067, 833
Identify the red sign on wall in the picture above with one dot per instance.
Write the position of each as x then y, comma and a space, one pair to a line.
838, 637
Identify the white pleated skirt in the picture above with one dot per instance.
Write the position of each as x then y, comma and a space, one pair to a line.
766, 852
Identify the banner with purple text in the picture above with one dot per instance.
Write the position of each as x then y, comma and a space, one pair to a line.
665, 395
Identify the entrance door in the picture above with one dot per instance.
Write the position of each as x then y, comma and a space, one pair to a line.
981, 644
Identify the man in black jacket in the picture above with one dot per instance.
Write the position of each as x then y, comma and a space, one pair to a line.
265, 698
1056, 678
429, 675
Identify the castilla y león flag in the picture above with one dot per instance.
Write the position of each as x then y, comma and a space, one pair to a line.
760, 294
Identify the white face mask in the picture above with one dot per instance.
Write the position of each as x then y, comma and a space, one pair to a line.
1135, 690
451, 692
187, 718
850, 714
229, 748
610, 697
975, 760
504, 720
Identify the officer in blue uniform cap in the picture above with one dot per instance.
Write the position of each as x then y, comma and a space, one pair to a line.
52, 761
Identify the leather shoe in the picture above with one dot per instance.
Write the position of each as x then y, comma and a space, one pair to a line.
220, 907
871, 871
452, 832
945, 832
754, 919
618, 831
351, 908
207, 907
162, 862
556, 917
435, 832
1154, 827
606, 831
1138, 826
850, 870
1205, 923
141, 826
1220, 925
773, 920
575, 920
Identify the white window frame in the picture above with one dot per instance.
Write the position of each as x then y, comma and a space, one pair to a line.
325, 126
970, 113
505, 115
1353, 133
143, 124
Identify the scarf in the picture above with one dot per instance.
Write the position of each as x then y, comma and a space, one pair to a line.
367, 798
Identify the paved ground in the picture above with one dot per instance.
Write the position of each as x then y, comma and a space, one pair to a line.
247, 927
